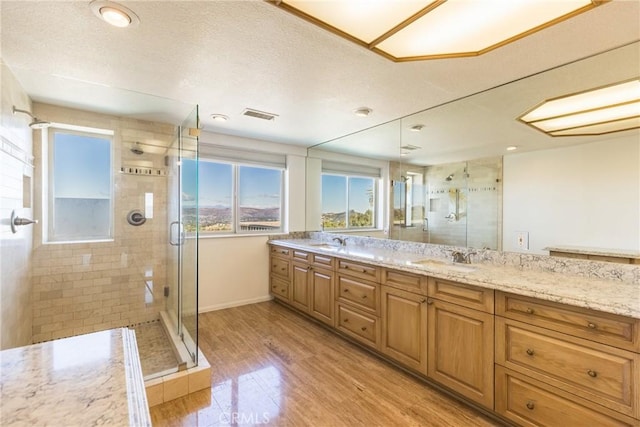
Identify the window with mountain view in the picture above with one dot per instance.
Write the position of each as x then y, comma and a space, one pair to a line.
236, 198
80, 186
348, 201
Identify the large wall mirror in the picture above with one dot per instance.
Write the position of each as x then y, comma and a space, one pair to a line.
448, 178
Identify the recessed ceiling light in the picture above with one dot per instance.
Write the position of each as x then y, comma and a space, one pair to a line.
512, 148
363, 111
416, 128
114, 14
219, 117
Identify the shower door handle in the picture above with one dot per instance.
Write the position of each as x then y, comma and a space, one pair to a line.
180, 228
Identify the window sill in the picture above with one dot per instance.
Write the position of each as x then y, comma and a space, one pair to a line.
72, 242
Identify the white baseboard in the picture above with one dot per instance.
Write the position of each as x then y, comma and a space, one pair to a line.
234, 304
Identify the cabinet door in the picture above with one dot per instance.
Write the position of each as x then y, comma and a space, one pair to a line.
299, 294
404, 328
322, 295
461, 350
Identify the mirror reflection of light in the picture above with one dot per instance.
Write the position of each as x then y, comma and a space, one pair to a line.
252, 398
81, 350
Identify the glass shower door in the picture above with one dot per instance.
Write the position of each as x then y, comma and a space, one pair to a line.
182, 303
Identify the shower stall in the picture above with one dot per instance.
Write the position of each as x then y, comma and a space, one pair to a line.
145, 276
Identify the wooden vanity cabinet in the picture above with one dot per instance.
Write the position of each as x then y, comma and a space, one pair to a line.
280, 272
550, 355
404, 328
461, 333
312, 285
357, 303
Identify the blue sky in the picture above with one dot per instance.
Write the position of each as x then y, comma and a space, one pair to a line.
82, 166
334, 193
259, 187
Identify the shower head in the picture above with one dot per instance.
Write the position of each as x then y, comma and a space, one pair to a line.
36, 122
136, 149
449, 178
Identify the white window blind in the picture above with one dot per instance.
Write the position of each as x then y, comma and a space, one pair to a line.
350, 169
246, 157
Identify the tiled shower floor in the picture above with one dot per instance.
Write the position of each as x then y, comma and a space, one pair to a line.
156, 354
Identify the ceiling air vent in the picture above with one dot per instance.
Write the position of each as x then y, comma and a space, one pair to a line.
259, 114
410, 147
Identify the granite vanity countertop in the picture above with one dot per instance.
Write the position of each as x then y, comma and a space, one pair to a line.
585, 250
92, 379
611, 296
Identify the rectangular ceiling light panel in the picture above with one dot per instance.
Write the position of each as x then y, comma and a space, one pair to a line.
602, 110
405, 30
470, 26
365, 20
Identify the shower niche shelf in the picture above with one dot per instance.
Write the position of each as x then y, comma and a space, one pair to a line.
137, 170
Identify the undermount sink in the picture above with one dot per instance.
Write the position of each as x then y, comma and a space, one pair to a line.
324, 246
445, 264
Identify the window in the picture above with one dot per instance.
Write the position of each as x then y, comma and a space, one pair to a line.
239, 198
348, 201
80, 186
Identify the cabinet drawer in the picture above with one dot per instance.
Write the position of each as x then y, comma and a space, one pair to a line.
280, 266
358, 325
366, 295
529, 402
407, 281
323, 261
619, 331
299, 255
280, 251
603, 374
356, 269
279, 288
461, 294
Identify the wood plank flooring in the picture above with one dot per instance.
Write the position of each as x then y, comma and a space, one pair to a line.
272, 366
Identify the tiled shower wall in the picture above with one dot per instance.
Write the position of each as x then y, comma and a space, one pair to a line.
16, 172
86, 287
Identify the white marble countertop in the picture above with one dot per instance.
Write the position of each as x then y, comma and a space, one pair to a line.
92, 379
620, 253
611, 296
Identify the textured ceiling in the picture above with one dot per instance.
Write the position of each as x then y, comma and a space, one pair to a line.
226, 56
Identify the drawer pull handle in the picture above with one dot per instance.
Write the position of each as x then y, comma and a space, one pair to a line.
592, 373
529, 310
530, 405
364, 297
346, 291
592, 325
530, 351
423, 301
283, 268
346, 320
364, 328
282, 290
283, 252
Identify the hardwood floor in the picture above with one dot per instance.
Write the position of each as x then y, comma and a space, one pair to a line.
272, 366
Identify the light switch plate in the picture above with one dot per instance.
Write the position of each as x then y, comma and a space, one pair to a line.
522, 240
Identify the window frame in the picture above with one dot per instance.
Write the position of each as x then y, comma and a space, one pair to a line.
48, 229
235, 202
374, 206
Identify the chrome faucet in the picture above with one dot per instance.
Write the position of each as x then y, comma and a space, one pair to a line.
341, 241
462, 257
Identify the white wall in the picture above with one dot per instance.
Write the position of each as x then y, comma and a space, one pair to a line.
585, 195
235, 270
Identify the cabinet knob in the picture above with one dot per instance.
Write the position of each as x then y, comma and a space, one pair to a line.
364, 328
282, 290
429, 301
283, 268
530, 351
530, 405
346, 291
592, 325
592, 373
364, 297
283, 252
346, 320
529, 310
